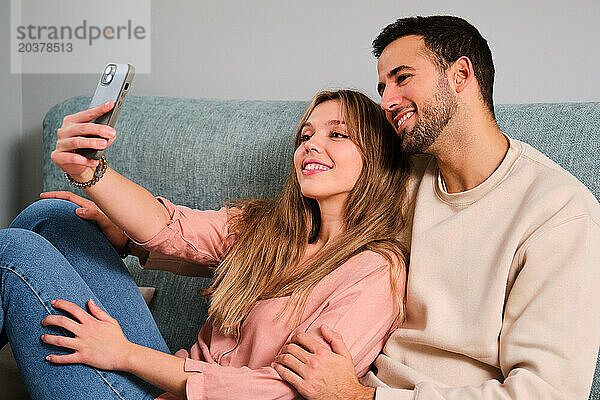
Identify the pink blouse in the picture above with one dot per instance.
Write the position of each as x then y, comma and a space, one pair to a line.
355, 300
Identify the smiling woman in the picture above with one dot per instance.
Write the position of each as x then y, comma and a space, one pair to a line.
323, 252
327, 148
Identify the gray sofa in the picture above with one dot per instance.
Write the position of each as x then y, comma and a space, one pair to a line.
201, 152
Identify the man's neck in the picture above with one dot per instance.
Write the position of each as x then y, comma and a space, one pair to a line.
467, 155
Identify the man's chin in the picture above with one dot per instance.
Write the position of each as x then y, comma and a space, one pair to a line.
410, 147
408, 144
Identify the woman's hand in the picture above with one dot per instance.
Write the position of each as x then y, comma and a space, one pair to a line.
99, 341
72, 135
90, 211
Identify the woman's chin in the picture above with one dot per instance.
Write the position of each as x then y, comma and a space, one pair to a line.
310, 194
313, 193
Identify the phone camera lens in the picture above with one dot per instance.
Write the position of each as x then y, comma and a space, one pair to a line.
109, 73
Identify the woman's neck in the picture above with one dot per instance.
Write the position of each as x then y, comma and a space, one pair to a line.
331, 226
332, 211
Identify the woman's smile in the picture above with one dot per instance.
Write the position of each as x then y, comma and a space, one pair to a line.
312, 166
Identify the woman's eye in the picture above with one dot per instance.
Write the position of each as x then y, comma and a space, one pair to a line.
339, 135
304, 138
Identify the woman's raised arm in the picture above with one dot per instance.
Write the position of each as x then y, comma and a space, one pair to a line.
127, 204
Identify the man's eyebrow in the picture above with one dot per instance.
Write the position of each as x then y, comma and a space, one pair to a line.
399, 69
391, 74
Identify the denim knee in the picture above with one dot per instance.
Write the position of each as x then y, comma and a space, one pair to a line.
17, 242
56, 211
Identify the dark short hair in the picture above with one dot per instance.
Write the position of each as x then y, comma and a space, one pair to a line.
448, 38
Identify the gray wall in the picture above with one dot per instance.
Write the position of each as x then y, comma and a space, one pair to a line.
11, 110
545, 51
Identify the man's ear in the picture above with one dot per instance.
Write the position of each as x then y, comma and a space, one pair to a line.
461, 74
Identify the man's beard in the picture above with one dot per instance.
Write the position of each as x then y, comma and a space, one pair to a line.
433, 118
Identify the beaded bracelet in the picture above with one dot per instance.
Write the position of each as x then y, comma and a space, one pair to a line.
100, 170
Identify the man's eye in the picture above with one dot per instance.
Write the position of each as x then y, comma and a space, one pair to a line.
401, 78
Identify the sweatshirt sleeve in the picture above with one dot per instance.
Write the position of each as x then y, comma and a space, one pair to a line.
551, 326
192, 239
362, 313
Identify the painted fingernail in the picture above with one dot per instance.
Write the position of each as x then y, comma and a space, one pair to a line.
48, 358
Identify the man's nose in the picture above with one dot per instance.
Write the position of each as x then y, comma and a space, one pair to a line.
390, 99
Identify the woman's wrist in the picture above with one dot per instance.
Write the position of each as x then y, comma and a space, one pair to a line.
131, 357
98, 174
162, 370
85, 176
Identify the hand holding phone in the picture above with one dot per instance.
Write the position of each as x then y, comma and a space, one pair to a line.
114, 85
75, 134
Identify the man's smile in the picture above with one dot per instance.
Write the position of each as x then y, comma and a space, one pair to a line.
401, 118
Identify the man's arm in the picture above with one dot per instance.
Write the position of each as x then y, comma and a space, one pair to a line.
550, 332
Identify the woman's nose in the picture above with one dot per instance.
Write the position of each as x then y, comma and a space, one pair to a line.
312, 145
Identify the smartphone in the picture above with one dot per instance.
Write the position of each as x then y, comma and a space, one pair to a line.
114, 84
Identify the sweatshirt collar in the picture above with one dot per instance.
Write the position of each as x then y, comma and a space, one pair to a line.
472, 195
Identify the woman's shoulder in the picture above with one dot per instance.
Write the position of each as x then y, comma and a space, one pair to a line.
371, 259
366, 271
365, 264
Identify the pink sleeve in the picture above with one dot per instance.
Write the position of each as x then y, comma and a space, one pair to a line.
197, 236
220, 382
363, 314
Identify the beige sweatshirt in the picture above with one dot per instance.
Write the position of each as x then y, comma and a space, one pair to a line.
503, 288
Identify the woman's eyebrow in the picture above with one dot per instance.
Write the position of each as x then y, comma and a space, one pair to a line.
330, 122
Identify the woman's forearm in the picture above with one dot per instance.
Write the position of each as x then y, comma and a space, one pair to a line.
127, 204
162, 370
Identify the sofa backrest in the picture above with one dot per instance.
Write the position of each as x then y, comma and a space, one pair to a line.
202, 152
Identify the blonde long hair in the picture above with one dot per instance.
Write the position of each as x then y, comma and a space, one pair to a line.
271, 235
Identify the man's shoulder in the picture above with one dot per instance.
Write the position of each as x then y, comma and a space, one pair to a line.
547, 182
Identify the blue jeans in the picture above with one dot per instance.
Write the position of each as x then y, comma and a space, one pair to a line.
48, 253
